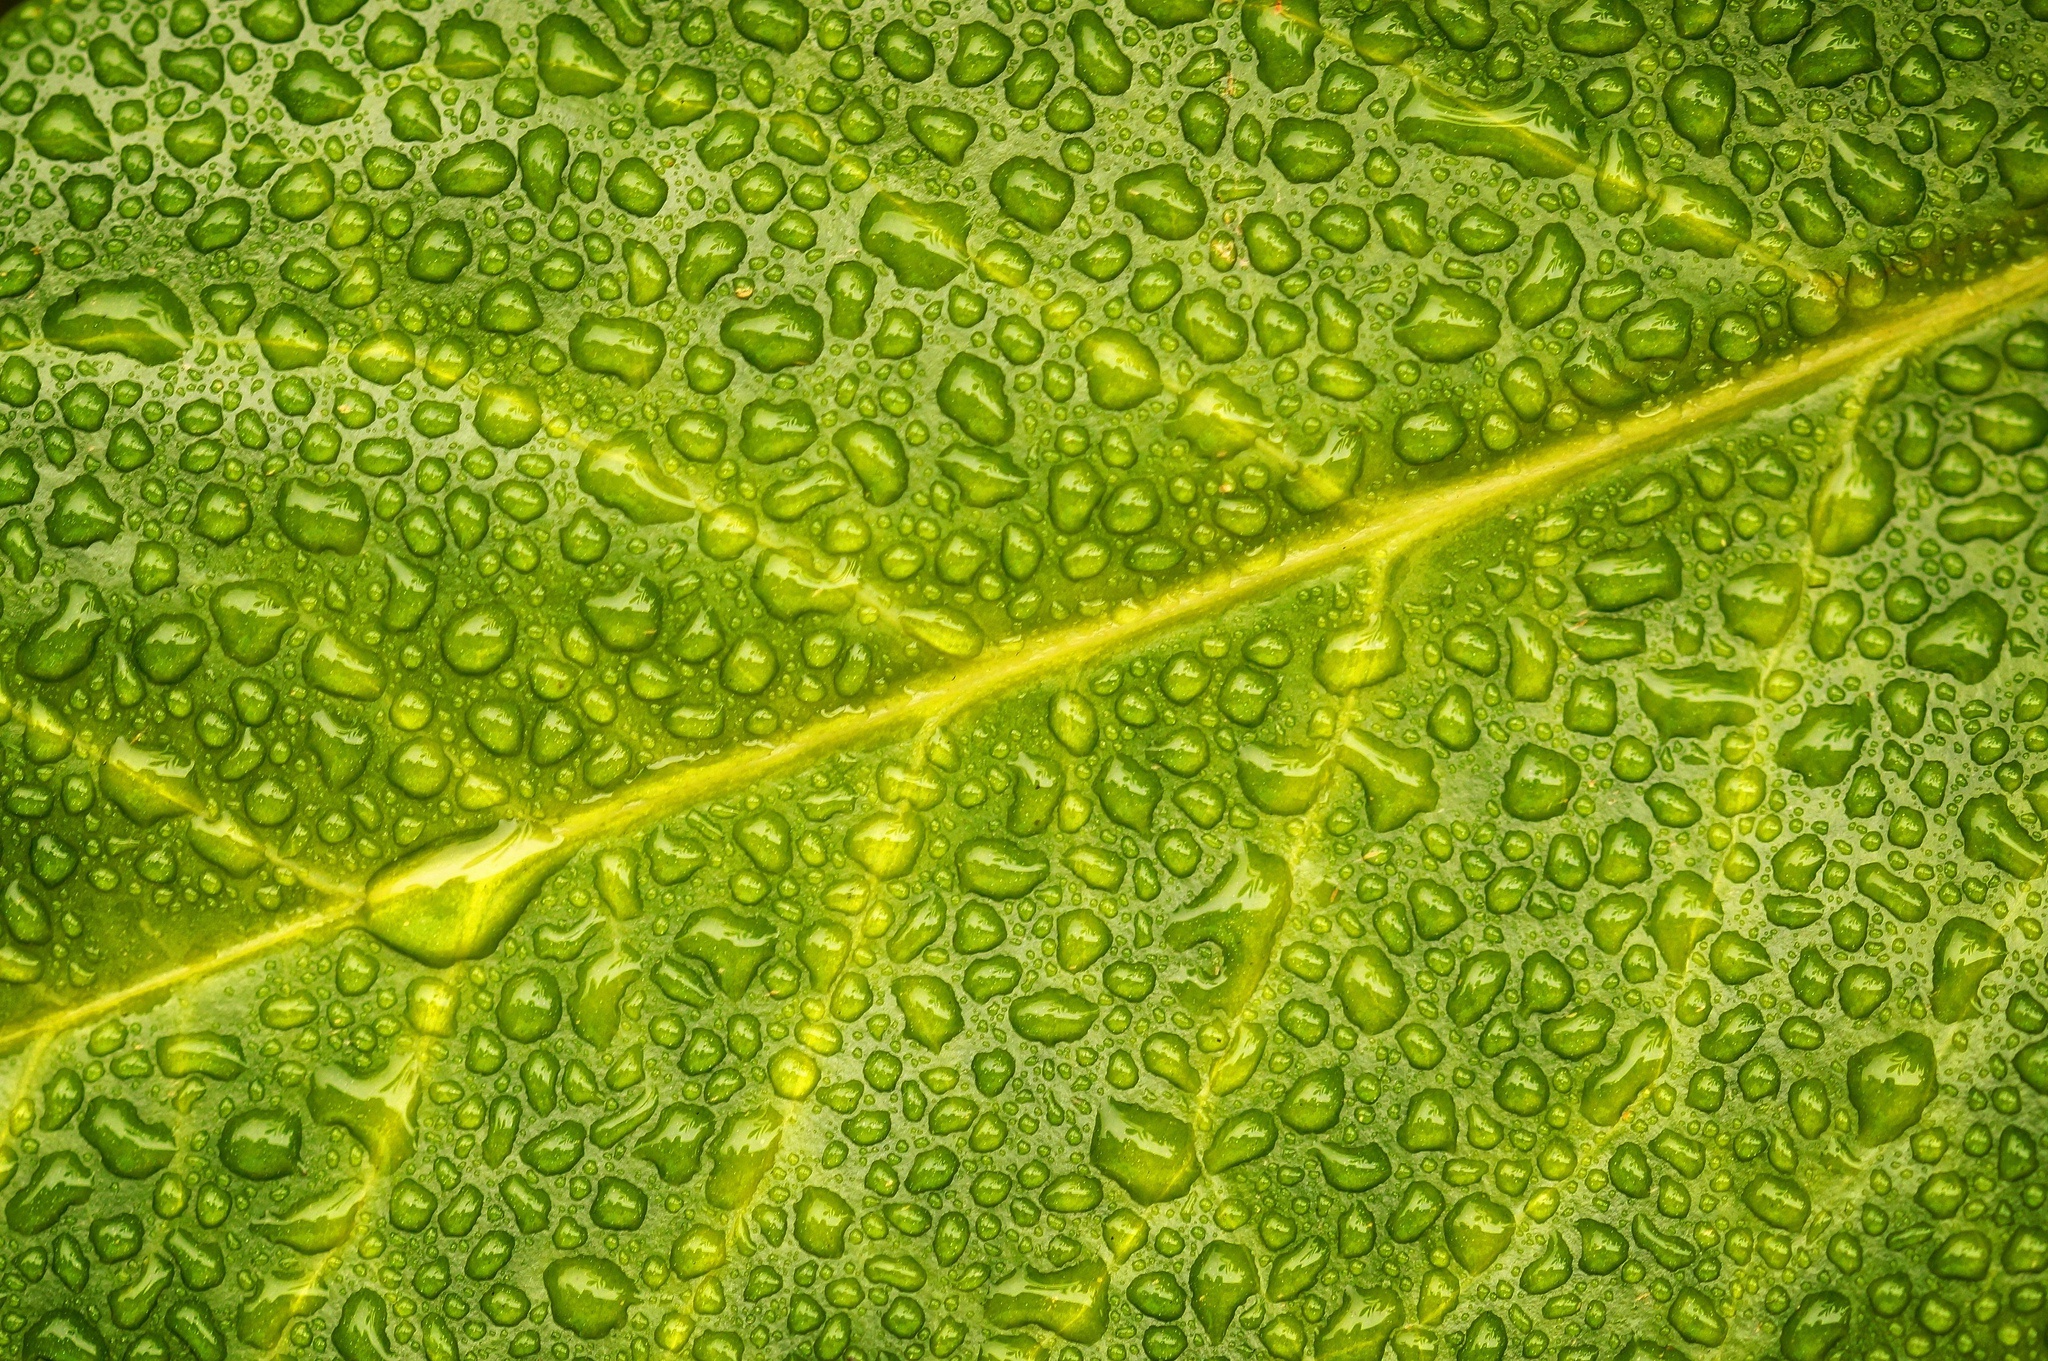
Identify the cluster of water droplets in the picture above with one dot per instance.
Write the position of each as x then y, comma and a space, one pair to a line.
478, 486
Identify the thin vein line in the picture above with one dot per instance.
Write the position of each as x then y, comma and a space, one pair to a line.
125, 998
1386, 526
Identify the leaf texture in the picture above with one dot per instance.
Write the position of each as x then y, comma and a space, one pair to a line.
876, 682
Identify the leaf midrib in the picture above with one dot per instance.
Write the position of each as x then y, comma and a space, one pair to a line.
1374, 532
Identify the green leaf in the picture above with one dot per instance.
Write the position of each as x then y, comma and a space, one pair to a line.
976, 727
